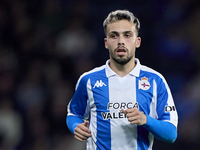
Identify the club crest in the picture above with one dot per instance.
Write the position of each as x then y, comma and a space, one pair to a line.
144, 84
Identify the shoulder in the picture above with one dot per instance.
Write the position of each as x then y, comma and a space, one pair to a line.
149, 70
85, 76
157, 76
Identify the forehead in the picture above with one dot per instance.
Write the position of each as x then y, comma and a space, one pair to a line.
121, 26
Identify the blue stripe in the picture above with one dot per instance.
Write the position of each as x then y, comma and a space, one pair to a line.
101, 99
144, 98
162, 102
79, 99
142, 139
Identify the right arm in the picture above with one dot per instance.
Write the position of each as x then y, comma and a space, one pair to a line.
77, 112
79, 128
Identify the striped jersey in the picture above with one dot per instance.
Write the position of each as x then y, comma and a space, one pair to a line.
101, 95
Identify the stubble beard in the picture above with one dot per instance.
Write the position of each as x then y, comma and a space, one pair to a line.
121, 60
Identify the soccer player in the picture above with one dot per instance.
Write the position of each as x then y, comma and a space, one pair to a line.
122, 105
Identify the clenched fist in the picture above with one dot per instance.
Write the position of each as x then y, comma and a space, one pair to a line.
135, 116
82, 132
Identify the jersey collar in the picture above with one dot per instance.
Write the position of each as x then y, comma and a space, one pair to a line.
134, 72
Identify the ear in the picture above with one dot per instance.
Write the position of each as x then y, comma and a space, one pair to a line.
138, 42
105, 41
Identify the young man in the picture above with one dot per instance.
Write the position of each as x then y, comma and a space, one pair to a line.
127, 104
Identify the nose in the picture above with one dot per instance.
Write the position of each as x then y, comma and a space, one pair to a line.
120, 44
121, 41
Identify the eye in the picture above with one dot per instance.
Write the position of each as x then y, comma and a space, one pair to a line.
114, 36
128, 35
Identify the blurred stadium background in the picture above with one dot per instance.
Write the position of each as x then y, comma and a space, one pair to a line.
45, 45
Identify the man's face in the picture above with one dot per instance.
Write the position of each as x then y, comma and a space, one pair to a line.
121, 41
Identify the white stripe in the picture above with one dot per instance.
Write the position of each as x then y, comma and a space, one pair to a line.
153, 105
173, 114
153, 112
122, 90
68, 109
151, 139
93, 123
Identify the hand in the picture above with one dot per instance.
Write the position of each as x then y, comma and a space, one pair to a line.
82, 132
135, 116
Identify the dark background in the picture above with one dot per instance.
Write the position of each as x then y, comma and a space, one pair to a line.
45, 45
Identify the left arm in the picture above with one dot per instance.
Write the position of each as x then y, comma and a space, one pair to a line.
162, 130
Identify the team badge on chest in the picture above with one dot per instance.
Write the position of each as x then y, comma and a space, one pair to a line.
144, 84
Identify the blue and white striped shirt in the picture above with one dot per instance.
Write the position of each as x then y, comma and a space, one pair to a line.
101, 94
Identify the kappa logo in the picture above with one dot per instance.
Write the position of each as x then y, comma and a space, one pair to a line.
144, 84
99, 83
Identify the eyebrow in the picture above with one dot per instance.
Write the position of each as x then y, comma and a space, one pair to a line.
115, 32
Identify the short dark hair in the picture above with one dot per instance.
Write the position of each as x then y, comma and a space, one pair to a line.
121, 15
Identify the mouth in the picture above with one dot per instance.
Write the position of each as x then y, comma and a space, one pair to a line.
121, 51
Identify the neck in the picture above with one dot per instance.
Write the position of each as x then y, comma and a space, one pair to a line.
122, 70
